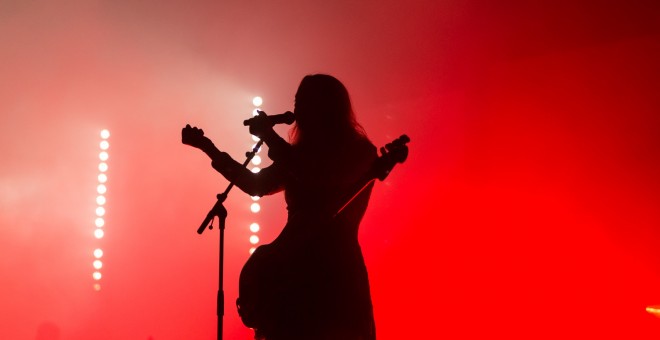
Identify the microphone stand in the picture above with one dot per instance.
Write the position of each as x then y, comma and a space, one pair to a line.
220, 211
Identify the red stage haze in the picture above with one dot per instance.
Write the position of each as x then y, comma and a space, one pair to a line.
529, 206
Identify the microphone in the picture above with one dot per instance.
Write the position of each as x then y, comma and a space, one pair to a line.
284, 118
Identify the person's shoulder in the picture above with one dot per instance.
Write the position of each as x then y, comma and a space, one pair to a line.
363, 146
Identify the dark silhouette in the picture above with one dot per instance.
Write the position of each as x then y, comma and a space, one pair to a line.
311, 281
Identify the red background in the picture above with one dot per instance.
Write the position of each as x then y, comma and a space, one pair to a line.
528, 208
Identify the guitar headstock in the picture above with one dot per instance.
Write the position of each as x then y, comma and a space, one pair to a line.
391, 154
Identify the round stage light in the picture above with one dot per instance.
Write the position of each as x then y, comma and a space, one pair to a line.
103, 178
103, 156
98, 233
98, 264
255, 207
254, 227
98, 253
101, 189
104, 145
100, 211
96, 275
254, 239
100, 200
103, 167
257, 101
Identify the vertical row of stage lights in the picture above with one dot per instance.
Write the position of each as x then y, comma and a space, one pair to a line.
101, 190
256, 161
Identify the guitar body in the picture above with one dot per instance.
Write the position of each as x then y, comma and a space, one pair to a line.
254, 280
292, 276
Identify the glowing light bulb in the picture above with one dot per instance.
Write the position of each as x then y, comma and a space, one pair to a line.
252, 250
99, 222
101, 189
100, 211
96, 275
254, 239
255, 198
105, 134
103, 156
257, 101
98, 233
255, 207
97, 287
256, 169
100, 200
104, 145
653, 310
98, 253
98, 264
254, 227
103, 167
103, 178
256, 160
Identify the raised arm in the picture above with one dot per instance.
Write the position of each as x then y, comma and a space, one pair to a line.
269, 180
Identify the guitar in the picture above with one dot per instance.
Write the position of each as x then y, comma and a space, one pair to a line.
260, 277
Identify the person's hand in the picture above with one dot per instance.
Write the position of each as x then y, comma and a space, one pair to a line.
260, 126
195, 137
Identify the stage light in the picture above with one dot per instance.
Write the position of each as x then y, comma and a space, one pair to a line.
256, 160
98, 233
101, 189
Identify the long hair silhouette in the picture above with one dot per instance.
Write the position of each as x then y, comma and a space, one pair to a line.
324, 114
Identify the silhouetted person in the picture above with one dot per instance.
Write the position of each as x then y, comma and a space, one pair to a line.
311, 281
